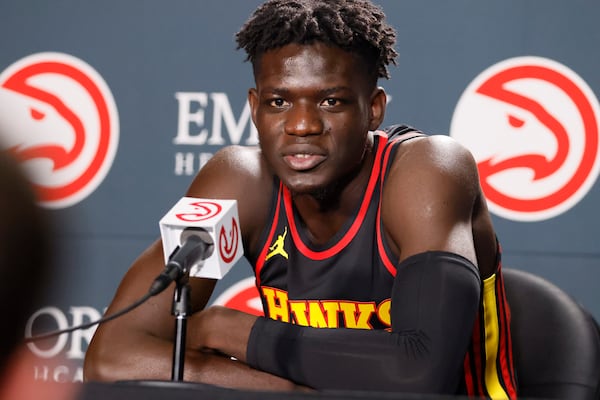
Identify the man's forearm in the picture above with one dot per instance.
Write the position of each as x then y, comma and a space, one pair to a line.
150, 358
223, 371
221, 329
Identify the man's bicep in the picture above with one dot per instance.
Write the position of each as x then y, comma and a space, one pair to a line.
428, 200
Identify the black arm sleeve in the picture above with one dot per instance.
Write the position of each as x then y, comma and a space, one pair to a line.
435, 299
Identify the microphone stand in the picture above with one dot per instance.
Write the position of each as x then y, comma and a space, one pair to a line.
181, 310
194, 248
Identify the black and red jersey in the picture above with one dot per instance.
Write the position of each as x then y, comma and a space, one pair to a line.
347, 282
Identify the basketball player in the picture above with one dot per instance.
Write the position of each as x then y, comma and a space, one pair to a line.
374, 253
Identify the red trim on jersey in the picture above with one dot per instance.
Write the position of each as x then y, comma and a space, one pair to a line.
347, 238
468, 374
260, 261
389, 265
505, 346
477, 352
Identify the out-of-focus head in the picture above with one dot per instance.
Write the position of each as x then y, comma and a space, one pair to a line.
25, 253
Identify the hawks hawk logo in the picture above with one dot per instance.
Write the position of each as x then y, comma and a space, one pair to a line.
242, 296
58, 116
532, 125
229, 242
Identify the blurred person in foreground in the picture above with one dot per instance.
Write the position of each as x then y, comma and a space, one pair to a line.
25, 264
373, 249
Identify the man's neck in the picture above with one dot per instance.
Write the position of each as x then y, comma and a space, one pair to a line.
325, 211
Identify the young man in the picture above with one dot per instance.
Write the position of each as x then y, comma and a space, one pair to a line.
385, 232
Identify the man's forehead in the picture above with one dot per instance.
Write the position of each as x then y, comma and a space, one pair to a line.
302, 59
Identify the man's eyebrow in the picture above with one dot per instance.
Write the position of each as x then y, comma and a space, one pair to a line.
323, 92
277, 90
335, 89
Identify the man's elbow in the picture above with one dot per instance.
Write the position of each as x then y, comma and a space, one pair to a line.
97, 367
105, 359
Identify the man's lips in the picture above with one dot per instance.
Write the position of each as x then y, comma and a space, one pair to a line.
303, 161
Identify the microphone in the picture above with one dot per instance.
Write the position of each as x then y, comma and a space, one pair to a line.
197, 245
200, 237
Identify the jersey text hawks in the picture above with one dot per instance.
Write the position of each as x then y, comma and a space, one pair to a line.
324, 313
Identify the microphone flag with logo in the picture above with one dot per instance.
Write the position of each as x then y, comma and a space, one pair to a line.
219, 219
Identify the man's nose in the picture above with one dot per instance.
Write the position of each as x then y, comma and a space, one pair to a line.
303, 120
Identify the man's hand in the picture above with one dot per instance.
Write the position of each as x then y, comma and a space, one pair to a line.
223, 330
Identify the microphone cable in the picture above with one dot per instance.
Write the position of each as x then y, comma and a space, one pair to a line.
195, 246
89, 324
158, 285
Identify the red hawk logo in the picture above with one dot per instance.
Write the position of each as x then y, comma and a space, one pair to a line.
532, 125
58, 116
242, 296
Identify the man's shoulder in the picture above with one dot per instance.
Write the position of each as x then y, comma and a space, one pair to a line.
238, 173
243, 161
237, 153
433, 162
419, 148
233, 169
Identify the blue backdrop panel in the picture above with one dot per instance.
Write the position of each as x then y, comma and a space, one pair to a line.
179, 88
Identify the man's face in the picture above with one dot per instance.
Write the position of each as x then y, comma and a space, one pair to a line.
313, 107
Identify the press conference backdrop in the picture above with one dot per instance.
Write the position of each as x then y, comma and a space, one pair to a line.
139, 94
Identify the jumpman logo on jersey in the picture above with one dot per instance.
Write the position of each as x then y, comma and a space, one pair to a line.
277, 247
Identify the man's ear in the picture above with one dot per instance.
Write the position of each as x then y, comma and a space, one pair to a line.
378, 105
253, 102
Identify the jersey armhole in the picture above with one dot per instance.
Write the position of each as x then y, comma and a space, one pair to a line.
397, 135
268, 233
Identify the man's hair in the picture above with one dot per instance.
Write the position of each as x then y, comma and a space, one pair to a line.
356, 26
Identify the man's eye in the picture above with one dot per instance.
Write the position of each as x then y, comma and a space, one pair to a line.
330, 102
277, 102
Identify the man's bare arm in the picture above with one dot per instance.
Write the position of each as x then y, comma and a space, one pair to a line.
139, 345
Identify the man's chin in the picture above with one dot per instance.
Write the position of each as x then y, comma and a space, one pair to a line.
321, 193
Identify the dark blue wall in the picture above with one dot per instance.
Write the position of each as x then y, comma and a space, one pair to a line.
151, 53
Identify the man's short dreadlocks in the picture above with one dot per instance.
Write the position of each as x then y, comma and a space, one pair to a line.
357, 26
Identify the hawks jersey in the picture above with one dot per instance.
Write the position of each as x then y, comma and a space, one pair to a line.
347, 282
